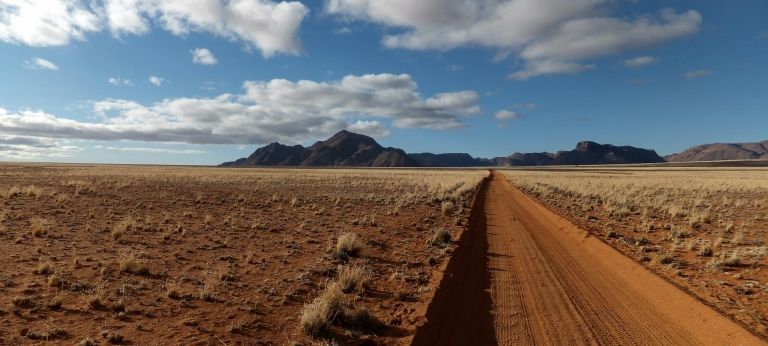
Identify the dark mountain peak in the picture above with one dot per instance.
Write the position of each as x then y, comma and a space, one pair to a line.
346, 138
590, 146
342, 149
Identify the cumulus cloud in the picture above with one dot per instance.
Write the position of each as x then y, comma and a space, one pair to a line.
152, 150
41, 23
203, 56
40, 63
371, 128
156, 80
552, 36
535, 68
269, 26
29, 148
119, 81
693, 74
276, 110
640, 61
506, 115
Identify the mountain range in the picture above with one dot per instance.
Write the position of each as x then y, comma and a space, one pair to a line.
355, 150
351, 149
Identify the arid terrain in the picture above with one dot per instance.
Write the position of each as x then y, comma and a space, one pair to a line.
204, 256
150, 255
703, 229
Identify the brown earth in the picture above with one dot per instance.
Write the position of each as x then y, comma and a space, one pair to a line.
215, 256
524, 275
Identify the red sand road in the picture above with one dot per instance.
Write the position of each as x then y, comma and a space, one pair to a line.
524, 275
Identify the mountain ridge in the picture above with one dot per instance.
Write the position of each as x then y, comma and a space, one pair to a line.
348, 149
722, 151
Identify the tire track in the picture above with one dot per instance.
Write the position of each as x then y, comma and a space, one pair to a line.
522, 275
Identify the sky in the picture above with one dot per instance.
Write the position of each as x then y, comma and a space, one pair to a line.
207, 81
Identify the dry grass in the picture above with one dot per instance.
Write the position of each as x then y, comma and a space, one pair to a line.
229, 242
708, 224
38, 226
348, 245
129, 263
440, 237
317, 316
353, 278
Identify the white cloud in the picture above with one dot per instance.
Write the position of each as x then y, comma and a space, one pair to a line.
535, 68
203, 56
29, 148
42, 23
269, 26
640, 61
371, 128
544, 33
156, 80
118, 81
152, 150
272, 27
506, 115
276, 110
697, 74
40, 63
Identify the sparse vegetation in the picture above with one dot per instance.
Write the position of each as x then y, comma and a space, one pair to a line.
116, 247
348, 245
440, 237
317, 316
707, 225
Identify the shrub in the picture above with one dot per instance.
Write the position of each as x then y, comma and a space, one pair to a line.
705, 251
129, 264
348, 245
353, 278
440, 237
317, 316
38, 226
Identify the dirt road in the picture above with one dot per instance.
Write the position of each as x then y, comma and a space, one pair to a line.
523, 275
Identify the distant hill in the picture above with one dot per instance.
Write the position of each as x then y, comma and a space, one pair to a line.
343, 149
448, 160
350, 149
591, 153
722, 151
585, 153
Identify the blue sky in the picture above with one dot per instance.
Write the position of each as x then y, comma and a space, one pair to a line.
488, 78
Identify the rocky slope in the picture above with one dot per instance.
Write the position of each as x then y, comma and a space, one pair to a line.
343, 149
722, 151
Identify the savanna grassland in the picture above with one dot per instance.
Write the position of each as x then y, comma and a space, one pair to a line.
201, 256
704, 230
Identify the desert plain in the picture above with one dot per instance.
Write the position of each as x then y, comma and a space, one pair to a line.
150, 255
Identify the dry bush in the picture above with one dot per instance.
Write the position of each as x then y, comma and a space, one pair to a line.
128, 263
38, 226
121, 227
705, 251
316, 317
440, 237
353, 278
348, 245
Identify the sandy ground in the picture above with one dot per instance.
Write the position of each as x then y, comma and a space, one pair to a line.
211, 257
702, 229
524, 275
